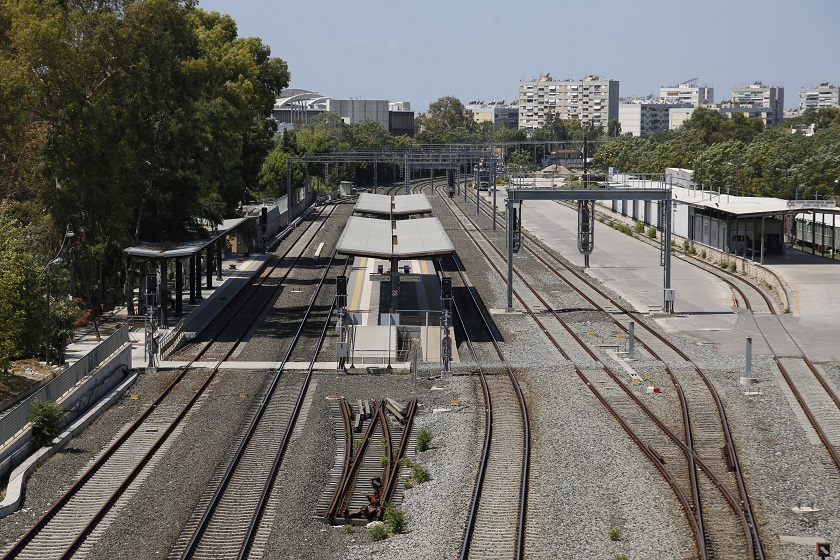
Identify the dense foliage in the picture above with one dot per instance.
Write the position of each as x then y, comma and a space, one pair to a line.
740, 155
125, 120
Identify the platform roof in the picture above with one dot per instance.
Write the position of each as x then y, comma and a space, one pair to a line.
387, 205
386, 239
748, 206
181, 249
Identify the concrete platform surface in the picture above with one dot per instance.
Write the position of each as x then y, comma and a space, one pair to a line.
703, 306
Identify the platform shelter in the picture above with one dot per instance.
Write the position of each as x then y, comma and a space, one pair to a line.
189, 253
399, 207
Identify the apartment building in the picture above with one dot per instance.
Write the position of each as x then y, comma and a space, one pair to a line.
687, 92
497, 112
638, 119
759, 96
821, 97
590, 100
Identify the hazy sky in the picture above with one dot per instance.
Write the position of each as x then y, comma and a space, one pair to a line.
421, 51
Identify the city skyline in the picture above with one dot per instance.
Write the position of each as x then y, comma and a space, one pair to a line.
378, 50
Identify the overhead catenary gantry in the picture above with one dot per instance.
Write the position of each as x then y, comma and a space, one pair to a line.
586, 198
452, 158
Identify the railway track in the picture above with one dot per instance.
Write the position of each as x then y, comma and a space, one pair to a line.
496, 524
728, 528
74, 523
228, 520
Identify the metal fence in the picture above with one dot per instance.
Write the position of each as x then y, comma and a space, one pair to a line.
16, 419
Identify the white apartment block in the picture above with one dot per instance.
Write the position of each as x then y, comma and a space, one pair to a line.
678, 116
590, 100
687, 92
639, 119
496, 112
821, 97
757, 95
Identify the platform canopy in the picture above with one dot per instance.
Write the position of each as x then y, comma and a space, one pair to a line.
181, 249
387, 205
751, 206
386, 239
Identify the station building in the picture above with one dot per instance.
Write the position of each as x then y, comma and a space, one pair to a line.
751, 227
299, 106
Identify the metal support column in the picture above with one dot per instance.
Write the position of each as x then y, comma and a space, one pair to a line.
466, 172
477, 185
668, 294
219, 243
288, 191
163, 287
209, 270
493, 186
510, 225
197, 275
395, 284
192, 279
762, 239
407, 175
179, 287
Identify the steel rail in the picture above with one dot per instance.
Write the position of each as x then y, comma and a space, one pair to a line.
748, 521
287, 436
214, 502
30, 535
526, 459
690, 454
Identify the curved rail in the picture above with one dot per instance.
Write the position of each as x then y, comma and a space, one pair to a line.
691, 455
526, 458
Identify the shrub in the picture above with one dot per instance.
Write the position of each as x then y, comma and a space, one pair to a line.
384, 461
651, 232
348, 528
47, 418
686, 245
621, 557
419, 473
378, 533
424, 438
615, 534
733, 266
703, 253
639, 227
395, 518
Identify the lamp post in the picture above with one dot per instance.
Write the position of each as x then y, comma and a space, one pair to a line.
698, 164
68, 235
737, 167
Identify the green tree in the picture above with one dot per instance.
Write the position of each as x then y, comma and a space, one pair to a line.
447, 120
21, 299
613, 128
325, 133
274, 175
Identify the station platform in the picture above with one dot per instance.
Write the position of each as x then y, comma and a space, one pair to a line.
237, 269
420, 290
368, 304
